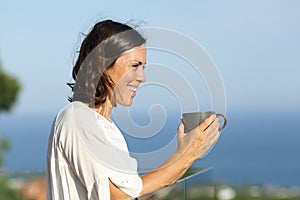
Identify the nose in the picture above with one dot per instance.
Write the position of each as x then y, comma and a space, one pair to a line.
141, 77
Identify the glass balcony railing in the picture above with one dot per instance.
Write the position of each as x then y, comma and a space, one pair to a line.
195, 184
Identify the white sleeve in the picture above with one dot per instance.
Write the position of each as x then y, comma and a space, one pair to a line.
94, 157
121, 167
129, 183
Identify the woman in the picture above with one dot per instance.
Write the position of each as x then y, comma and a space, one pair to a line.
87, 155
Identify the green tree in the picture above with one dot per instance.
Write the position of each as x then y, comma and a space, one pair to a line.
9, 89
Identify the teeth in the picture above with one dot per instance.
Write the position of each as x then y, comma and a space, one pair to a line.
132, 88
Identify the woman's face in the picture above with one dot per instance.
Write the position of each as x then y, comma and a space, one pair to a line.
127, 73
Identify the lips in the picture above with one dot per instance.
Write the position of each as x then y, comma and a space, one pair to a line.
132, 88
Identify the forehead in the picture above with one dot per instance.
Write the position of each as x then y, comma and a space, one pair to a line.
135, 54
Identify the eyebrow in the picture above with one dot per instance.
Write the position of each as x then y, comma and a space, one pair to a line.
139, 62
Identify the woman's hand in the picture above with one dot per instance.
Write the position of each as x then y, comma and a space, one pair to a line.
191, 146
198, 141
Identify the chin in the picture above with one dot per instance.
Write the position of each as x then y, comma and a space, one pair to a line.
129, 103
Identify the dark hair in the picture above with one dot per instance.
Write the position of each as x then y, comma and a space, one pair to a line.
98, 52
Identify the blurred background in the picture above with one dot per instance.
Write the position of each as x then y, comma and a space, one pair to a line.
255, 46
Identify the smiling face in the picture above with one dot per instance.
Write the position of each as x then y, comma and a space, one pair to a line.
127, 73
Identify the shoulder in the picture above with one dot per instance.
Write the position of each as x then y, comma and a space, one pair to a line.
73, 113
72, 123
78, 117
71, 118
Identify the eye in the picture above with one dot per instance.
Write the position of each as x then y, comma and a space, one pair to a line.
136, 65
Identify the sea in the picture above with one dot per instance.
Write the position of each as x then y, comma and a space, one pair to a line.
261, 148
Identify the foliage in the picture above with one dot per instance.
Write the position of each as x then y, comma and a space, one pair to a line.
6, 192
4, 146
9, 89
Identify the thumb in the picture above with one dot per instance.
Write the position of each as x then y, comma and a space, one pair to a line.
180, 130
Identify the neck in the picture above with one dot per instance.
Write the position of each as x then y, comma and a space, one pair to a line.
105, 109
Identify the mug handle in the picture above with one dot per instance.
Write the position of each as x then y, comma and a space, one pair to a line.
225, 121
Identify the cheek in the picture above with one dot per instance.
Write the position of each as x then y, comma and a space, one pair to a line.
127, 77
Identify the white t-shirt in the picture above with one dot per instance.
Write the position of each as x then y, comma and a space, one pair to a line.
85, 150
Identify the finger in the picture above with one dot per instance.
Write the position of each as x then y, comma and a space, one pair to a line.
214, 138
214, 125
210, 135
205, 124
210, 143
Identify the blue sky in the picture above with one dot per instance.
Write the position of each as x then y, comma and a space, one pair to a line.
254, 44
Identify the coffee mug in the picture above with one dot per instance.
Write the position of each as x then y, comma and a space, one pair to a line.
193, 119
